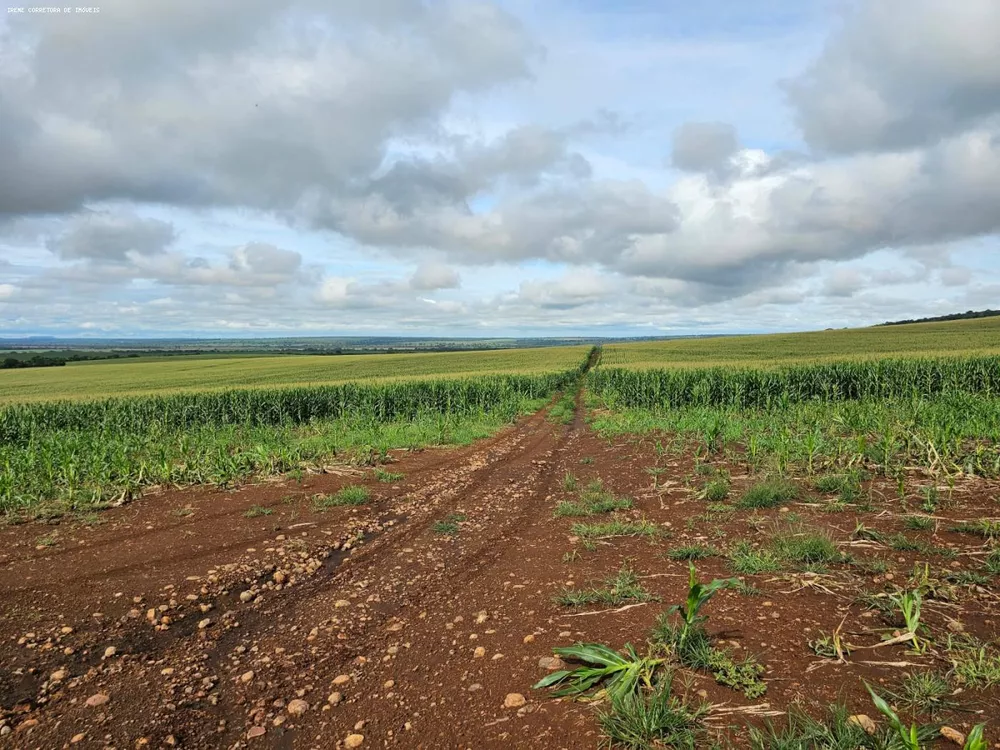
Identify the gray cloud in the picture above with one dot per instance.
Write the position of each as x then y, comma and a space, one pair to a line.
902, 73
111, 237
431, 276
704, 146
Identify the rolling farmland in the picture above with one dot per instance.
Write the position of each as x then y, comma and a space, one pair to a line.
90, 380
770, 517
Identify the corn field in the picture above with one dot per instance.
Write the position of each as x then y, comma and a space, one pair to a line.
752, 388
82, 454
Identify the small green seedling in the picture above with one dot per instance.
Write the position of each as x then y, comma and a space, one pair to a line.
698, 596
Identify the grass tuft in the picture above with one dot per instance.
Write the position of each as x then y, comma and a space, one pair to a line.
769, 494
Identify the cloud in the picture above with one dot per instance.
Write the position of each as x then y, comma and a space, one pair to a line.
430, 276
901, 74
111, 237
704, 146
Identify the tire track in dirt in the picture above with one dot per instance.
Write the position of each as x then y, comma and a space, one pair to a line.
482, 481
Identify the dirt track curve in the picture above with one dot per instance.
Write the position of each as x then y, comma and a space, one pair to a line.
401, 612
249, 619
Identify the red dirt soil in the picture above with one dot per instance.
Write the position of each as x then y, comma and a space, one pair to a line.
228, 631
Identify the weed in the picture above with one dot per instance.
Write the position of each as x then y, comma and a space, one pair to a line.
807, 547
802, 732
918, 523
720, 508
183, 512
992, 563
743, 676
871, 565
909, 738
49, 540
594, 499
974, 664
716, 490
983, 527
747, 589
571, 556
621, 588
746, 559
655, 720
924, 693
769, 494
387, 476
692, 552
967, 578
449, 526
256, 511
931, 497
350, 495
569, 482
586, 460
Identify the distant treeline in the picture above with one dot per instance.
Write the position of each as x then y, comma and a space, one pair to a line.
942, 318
16, 360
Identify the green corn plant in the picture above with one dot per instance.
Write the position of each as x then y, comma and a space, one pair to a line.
621, 673
909, 606
976, 739
909, 737
698, 595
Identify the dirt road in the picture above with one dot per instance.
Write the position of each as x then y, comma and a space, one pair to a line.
251, 618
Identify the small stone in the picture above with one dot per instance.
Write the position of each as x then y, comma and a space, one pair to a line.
341, 603
389, 684
297, 707
279, 577
256, 732
703, 694
953, 735
204, 623
528, 639
109, 652
246, 676
78, 738
888, 577
865, 722
59, 675
479, 653
496, 657
341, 679
955, 627
334, 698
475, 686
551, 663
354, 740
246, 596
514, 700
97, 699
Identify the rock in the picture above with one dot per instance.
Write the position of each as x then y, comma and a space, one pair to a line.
279, 577
479, 653
78, 738
334, 698
341, 679
955, 626
98, 699
256, 732
341, 603
59, 675
953, 735
246, 676
475, 686
496, 657
204, 623
703, 694
297, 707
27, 724
528, 639
246, 596
551, 663
354, 740
514, 700
109, 652
865, 722
389, 684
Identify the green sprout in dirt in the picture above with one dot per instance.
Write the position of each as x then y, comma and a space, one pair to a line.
621, 674
909, 606
925, 692
256, 511
655, 719
449, 526
387, 477
616, 527
698, 596
569, 482
692, 552
350, 495
594, 499
769, 494
620, 588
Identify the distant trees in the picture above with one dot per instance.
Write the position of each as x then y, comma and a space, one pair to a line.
941, 318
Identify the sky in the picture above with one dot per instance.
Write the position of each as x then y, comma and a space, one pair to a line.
506, 168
